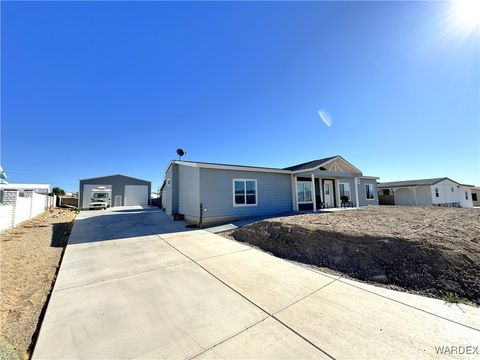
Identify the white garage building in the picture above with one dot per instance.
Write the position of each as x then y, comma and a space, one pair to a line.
428, 192
122, 190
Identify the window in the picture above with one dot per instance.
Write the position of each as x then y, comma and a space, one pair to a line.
169, 182
386, 191
21, 194
451, 189
474, 196
304, 191
244, 192
466, 195
436, 192
369, 192
345, 190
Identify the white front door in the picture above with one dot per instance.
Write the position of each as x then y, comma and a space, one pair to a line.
328, 193
118, 200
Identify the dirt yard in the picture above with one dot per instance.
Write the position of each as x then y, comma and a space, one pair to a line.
30, 255
431, 251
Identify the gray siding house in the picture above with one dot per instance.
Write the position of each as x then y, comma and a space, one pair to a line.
124, 190
208, 192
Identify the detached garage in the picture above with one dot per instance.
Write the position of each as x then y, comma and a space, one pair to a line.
114, 191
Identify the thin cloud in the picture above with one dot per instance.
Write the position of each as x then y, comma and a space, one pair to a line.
325, 117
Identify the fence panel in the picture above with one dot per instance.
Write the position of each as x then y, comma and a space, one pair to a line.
39, 204
6, 213
22, 210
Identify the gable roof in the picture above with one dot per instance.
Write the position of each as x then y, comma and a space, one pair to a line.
418, 182
316, 164
115, 175
310, 164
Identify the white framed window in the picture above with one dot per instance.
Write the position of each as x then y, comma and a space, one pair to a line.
304, 192
169, 182
451, 189
466, 195
436, 192
244, 192
369, 195
345, 190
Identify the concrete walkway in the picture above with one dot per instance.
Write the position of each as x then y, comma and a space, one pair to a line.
132, 284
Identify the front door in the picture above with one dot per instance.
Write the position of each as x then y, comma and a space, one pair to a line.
328, 193
118, 200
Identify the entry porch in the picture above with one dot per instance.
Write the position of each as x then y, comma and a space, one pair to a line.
317, 191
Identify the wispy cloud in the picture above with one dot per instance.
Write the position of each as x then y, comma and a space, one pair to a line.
325, 117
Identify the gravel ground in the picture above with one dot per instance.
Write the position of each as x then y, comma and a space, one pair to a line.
427, 250
30, 256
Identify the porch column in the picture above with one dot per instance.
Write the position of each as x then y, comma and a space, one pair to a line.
313, 193
294, 193
394, 199
356, 191
336, 183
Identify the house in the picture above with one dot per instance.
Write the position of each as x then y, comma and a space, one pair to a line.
203, 192
21, 202
116, 190
38, 188
476, 195
426, 192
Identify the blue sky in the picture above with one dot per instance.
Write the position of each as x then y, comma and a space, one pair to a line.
95, 88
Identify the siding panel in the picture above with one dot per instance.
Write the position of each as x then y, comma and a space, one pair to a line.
189, 192
362, 198
216, 193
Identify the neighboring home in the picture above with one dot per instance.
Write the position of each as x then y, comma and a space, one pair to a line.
206, 192
21, 202
476, 195
38, 188
426, 192
116, 190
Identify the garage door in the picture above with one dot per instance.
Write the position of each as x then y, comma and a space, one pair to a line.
136, 195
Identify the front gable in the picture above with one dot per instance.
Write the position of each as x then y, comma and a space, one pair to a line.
340, 165
335, 165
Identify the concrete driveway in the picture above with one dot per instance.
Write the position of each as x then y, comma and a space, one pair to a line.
132, 284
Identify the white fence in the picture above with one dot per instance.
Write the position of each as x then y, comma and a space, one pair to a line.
6, 217
23, 208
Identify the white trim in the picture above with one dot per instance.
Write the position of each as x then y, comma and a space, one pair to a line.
373, 191
230, 167
343, 182
245, 192
296, 188
368, 177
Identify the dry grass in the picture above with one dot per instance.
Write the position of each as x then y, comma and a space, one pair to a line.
30, 256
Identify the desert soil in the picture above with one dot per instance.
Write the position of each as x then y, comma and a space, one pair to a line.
30, 256
427, 250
